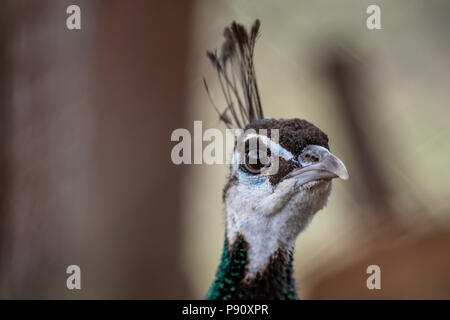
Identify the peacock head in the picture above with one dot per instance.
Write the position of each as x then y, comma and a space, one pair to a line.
277, 185
270, 171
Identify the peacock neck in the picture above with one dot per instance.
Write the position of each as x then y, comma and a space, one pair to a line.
231, 283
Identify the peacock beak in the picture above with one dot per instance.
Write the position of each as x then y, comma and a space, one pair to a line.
317, 163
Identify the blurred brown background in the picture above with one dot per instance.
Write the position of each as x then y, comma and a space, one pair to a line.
85, 124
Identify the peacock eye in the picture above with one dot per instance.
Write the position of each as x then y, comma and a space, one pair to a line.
255, 162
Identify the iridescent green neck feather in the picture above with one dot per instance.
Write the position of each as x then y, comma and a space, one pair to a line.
275, 282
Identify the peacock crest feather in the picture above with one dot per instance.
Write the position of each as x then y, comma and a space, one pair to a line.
237, 77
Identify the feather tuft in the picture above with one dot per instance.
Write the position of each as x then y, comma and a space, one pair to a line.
237, 77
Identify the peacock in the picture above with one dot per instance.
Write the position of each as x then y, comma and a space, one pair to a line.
271, 196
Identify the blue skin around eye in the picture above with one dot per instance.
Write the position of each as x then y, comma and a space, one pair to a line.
258, 180
252, 181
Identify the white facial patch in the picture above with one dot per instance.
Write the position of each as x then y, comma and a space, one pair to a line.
270, 218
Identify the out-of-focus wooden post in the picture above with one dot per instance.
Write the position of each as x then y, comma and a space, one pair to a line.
90, 117
346, 78
141, 63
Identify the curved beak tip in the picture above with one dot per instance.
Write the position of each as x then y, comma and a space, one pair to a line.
343, 175
341, 170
